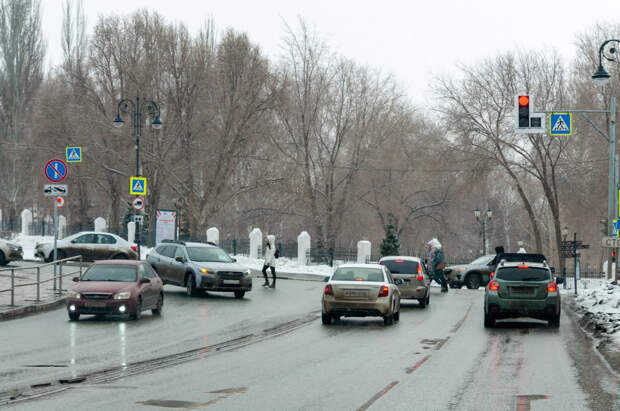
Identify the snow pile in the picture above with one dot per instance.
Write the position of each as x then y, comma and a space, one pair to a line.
599, 309
286, 265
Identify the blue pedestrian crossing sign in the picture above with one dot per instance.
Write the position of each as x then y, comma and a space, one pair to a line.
137, 186
560, 124
73, 154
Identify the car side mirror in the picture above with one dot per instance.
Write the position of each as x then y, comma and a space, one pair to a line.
73, 241
325, 279
234, 260
76, 279
145, 280
179, 259
559, 280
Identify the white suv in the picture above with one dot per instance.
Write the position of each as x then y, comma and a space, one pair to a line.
10, 252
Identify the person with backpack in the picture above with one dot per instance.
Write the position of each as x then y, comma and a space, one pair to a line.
270, 261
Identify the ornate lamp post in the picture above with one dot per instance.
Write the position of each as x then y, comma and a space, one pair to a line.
601, 77
136, 109
482, 219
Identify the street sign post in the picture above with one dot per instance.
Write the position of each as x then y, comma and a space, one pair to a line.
55, 190
73, 154
55, 170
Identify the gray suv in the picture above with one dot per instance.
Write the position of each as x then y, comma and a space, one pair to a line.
199, 267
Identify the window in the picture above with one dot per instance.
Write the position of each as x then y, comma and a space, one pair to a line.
358, 274
401, 266
105, 239
208, 254
112, 272
168, 251
523, 274
179, 252
86, 239
144, 272
160, 249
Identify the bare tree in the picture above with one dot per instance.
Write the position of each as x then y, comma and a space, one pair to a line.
22, 50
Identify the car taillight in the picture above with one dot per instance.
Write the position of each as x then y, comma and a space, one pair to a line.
523, 266
419, 269
135, 248
492, 274
420, 277
552, 287
384, 291
493, 285
328, 290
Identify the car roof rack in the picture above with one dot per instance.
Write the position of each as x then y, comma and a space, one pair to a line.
167, 240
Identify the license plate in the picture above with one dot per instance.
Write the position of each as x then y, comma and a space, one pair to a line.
231, 281
523, 290
354, 293
95, 304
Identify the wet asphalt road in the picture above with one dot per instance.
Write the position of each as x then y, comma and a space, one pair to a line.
270, 351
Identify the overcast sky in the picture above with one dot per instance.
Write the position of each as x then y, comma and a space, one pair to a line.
410, 38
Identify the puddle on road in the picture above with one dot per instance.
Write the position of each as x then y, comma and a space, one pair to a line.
239, 390
437, 342
523, 401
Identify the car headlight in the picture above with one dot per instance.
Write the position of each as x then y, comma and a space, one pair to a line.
461, 270
122, 296
74, 294
248, 272
204, 271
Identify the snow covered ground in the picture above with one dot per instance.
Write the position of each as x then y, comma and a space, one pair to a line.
599, 309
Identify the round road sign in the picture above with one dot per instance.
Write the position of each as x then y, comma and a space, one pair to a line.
55, 170
60, 201
137, 203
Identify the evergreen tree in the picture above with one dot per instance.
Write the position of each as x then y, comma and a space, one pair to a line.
390, 245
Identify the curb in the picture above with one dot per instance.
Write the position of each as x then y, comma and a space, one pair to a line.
31, 309
290, 276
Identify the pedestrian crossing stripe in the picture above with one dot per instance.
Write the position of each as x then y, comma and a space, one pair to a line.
73, 154
561, 124
137, 186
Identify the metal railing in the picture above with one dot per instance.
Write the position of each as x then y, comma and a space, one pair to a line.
56, 276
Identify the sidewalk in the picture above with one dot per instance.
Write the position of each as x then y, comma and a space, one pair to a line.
25, 296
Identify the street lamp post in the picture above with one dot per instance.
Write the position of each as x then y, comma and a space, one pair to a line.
563, 254
482, 219
136, 109
601, 77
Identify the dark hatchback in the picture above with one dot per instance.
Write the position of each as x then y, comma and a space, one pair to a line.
116, 287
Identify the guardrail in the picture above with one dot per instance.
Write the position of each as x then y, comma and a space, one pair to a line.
57, 276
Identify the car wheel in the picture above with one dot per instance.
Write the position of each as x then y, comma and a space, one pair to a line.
239, 294
388, 319
473, 281
119, 256
326, 319
159, 306
336, 318
60, 255
489, 321
422, 302
454, 285
554, 322
397, 316
428, 298
138, 313
3, 260
190, 285
74, 316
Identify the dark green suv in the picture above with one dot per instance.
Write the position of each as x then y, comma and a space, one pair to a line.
522, 289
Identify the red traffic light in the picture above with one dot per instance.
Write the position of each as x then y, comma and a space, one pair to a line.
524, 100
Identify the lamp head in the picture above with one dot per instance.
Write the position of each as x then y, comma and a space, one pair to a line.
489, 213
157, 124
601, 77
118, 121
477, 213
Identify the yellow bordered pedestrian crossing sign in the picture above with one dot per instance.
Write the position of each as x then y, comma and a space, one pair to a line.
137, 186
73, 154
560, 124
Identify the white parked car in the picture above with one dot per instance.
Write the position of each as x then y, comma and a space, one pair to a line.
91, 245
10, 252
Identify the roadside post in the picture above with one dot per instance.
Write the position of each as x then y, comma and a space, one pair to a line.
55, 171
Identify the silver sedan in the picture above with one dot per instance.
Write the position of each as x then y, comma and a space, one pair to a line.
361, 290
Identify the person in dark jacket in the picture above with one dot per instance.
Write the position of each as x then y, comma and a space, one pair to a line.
435, 264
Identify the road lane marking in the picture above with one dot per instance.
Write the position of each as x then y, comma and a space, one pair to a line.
417, 365
377, 396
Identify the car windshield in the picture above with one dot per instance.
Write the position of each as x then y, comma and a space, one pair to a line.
208, 255
485, 259
111, 272
358, 274
401, 266
523, 274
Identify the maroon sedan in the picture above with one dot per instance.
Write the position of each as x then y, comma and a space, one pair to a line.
116, 287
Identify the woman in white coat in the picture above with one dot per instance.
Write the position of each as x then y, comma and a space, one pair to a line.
270, 262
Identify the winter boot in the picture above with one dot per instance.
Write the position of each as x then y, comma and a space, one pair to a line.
273, 282
266, 283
